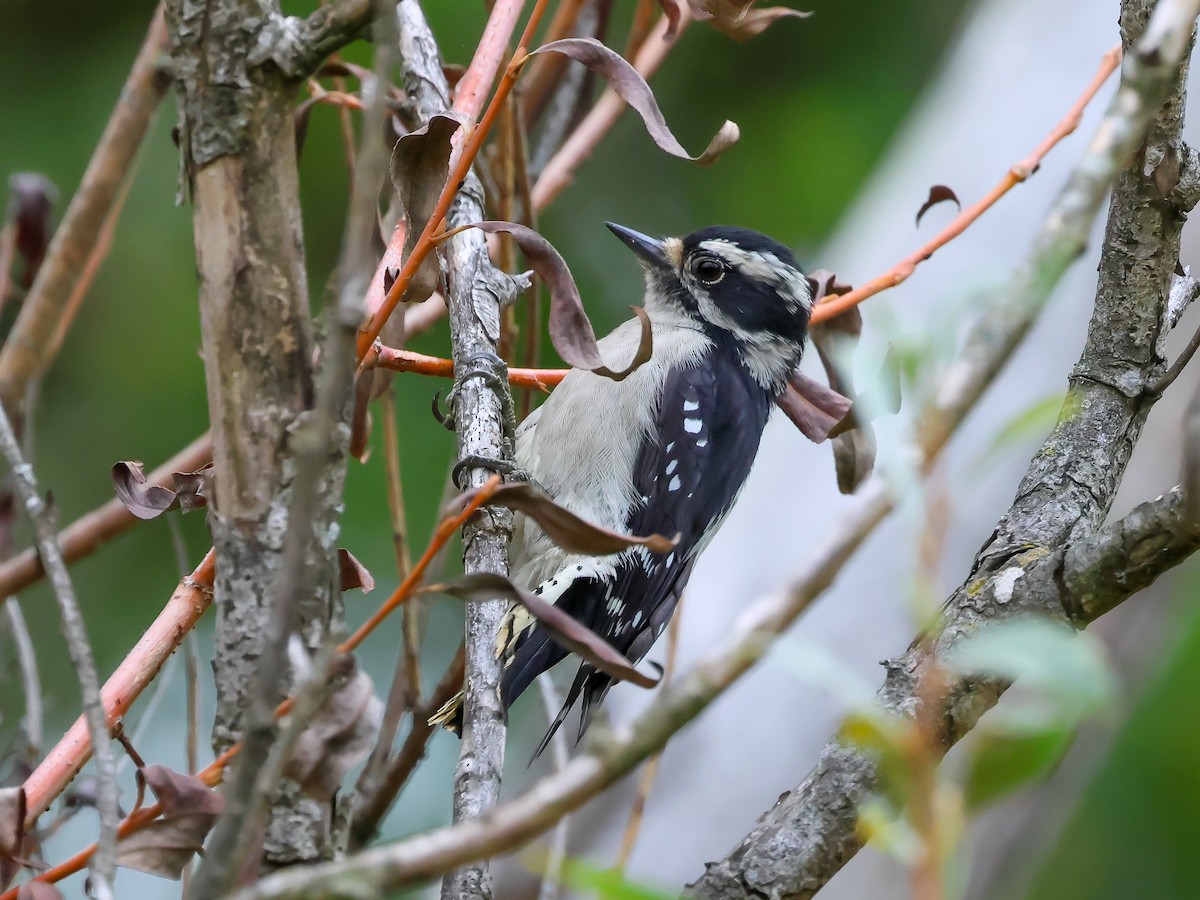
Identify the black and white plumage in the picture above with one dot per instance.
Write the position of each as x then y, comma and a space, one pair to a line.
665, 451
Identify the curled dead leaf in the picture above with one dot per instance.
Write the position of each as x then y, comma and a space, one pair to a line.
755, 21
939, 193
148, 500
144, 499
353, 573
166, 845
568, 632
854, 443
420, 167
813, 408
340, 735
571, 331
632, 88
562, 526
824, 284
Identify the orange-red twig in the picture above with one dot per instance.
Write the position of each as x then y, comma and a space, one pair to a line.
201, 580
407, 361
835, 306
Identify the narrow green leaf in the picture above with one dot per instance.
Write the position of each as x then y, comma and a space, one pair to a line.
1049, 658
1005, 762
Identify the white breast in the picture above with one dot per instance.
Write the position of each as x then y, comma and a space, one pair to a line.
582, 443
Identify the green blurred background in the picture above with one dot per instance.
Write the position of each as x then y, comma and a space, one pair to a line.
129, 382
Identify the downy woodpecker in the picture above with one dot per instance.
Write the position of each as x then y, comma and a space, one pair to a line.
664, 451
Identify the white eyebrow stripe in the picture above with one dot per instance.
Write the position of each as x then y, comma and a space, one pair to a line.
762, 265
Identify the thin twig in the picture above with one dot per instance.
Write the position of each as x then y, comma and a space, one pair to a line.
91, 267
373, 806
405, 690
836, 305
31, 684
650, 773
552, 871
104, 864
410, 361
460, 165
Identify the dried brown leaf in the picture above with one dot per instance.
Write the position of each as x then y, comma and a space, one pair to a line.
31, 199
193, 488
181, 794
166, 845
939, 193
353, 573
340, 735
853, 449
360, 415
755, 21
825, 283
420, 167
571, 331
148, 500
632, 88
813, 408
568, 632
142, 498
562, 526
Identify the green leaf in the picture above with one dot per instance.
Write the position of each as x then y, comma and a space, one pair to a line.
608, 884
1067, 669
1004, 762
879, 822
1035, 421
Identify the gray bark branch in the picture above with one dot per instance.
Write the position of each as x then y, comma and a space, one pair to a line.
317, 444
811, 832
239, 159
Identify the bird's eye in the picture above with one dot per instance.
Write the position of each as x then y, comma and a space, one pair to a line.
708, 270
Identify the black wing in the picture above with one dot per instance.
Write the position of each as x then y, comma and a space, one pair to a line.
688, 472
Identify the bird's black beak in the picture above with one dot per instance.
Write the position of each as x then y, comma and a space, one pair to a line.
650, 250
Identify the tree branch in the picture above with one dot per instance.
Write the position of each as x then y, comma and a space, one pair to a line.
239, 154
327, 29
812, 831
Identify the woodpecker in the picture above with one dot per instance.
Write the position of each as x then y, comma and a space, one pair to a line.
666, 450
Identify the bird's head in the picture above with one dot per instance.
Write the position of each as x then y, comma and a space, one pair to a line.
743, 288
